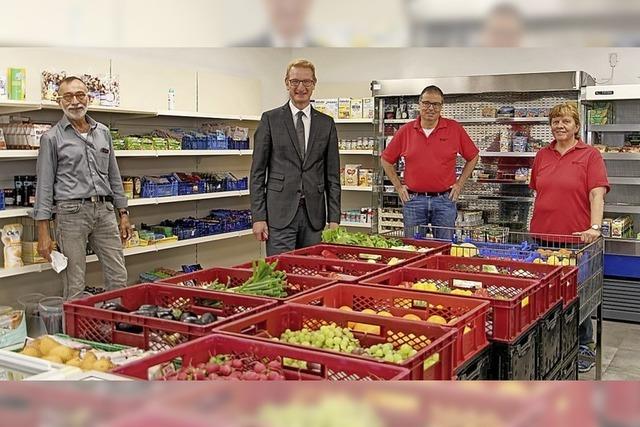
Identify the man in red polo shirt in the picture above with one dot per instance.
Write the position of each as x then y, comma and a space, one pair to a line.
430, 145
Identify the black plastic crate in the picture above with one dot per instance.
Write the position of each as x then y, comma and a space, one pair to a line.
555, 374
570, 324
549, 348
477, 368
569, 370
517, 360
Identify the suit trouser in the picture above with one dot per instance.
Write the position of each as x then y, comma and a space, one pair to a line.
79, 222
298, 234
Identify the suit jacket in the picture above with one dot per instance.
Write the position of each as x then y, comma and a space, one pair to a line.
279, 174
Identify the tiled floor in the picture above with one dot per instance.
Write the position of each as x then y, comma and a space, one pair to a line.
620, 352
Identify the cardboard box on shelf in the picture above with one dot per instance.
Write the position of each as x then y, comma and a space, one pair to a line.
331, 107
351, 175
368, 108
320, 105
344, 108
620, 227
356, 108
365, 177
606, 227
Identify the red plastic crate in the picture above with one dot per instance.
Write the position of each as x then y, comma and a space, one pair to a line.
569, 285
436, 246
508, 318
550, 276
297, 285
459, 313
427, 338
84, 319
320, 365
344, 271
352, 253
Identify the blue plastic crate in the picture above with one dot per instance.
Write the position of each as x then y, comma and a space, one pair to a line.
151, 189
188, 142
243, 184
2, 206
188, 188
185, 233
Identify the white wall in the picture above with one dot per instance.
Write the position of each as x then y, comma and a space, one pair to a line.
353, 69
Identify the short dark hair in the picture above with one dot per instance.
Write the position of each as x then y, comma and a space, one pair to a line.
70, 79
432, 89
506, 9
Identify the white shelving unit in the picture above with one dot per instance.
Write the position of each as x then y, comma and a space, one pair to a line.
18, 154
131, 114
357, 152
33, 154
354, 188
482, 120
11, 107
620, 208
204, 115
13, 212
186, 198
507, 154
355, 224
353, 121
34, 268
181, 153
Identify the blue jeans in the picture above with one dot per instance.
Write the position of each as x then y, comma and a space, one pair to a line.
585, 332
438, 211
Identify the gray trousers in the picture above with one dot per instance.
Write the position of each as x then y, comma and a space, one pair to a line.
78, 223
298, 234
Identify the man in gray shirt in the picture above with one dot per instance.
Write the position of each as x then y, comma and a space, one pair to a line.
79, 181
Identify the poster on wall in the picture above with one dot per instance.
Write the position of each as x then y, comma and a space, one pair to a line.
103, 89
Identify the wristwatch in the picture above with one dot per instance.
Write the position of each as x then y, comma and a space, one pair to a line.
596, 227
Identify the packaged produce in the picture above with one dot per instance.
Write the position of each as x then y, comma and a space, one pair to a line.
356, 108
351, 175
368, 108
344, 108
17, 83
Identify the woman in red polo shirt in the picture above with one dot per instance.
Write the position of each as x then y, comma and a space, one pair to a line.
570, 181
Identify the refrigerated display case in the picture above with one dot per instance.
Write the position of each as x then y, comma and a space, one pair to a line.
613, 126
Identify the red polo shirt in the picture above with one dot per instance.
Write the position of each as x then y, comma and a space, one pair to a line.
430, 163
562, 184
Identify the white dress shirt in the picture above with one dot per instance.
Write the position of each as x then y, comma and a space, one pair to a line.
306, 119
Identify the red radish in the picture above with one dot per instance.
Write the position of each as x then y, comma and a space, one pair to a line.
259, 367
236, 363
225, 370
212, 368
274, 364
263, 377
250, 376
182, 376
200, 375
274, 376
236, 374
329, 255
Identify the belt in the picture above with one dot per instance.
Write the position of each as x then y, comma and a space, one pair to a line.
430, 194
92, 199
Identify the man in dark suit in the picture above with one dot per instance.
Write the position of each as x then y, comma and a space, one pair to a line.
295, 174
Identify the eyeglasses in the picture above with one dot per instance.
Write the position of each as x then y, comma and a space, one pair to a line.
434, 105
68, 97
305, 83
